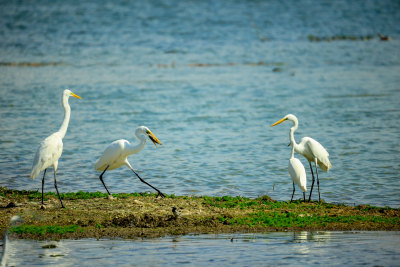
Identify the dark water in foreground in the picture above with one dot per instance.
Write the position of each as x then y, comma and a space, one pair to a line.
208, 78
269, 249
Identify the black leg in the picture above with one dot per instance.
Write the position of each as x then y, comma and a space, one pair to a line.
143, 181
44, 174
312, 184
101, 179
304, 196
55, 185
319, 194
292, 193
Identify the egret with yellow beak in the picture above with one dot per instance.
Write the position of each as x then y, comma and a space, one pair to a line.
116, 155
312, 150
51, 148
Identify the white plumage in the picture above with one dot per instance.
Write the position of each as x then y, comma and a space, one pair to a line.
50, 149
298, 174
47, 154
312, 150
116, 154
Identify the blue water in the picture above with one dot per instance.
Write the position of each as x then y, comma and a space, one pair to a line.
208, 78
202, 77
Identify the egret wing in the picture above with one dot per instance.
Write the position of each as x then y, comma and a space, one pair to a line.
298, 173
112, 155
48, 152
318, 152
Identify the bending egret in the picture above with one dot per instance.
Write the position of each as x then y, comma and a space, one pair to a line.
50, 149
310, 149
116, 154
298, 174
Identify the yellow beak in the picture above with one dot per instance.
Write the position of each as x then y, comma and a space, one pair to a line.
280, 121
153, 138
77, 96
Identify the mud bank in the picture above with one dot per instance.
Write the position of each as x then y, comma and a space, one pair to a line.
137, 215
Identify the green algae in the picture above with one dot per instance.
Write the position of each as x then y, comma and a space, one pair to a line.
44, 229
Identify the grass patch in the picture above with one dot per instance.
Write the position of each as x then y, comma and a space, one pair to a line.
44, 229
290, 219
264, 202
229, 202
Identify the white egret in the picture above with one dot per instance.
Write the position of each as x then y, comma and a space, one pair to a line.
116, 154
298, 174
50, 149
310, 149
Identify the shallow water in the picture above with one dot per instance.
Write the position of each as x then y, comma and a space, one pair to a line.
271, 249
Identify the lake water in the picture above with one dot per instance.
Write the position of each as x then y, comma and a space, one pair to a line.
268, 249
208, 78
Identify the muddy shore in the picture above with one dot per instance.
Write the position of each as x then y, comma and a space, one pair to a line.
94, 215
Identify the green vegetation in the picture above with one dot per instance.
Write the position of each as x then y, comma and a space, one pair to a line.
298, 214
44, 229
132, 215
290, 219
36, 195
229, 202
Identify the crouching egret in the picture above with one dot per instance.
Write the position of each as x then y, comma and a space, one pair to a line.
310, 149
298, 174
50, 149
116, 154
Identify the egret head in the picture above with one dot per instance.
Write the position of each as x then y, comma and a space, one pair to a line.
289, 117
68, 93
146, 131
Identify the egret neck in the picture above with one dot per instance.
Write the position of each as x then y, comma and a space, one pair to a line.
291, 135
132, 149
292, 153
67, 115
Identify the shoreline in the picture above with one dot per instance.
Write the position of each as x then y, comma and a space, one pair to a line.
143, 215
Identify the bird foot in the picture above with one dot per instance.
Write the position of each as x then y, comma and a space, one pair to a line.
110, 197
42, 207
160, 195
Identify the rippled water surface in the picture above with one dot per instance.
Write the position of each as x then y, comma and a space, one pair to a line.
208, 78
269, 249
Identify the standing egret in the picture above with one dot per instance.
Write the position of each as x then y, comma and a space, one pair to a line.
50, 149
310, 149
116, 154
298, 174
